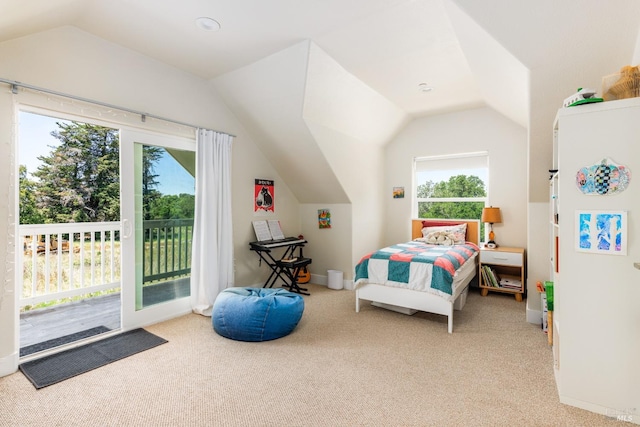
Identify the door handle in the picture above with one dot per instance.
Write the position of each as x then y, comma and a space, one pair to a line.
126, 228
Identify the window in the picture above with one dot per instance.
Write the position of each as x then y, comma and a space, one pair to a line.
452, 187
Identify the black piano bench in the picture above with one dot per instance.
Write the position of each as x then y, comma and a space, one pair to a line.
291, 268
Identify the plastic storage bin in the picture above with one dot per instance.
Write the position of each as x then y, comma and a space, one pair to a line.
335, 279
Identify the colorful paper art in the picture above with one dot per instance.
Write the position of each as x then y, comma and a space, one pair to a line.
604, 178
324, 218
602, 232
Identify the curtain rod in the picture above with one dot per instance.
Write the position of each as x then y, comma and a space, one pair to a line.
143, 116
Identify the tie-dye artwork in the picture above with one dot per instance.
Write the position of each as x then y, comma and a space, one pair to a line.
603, 178
602, 232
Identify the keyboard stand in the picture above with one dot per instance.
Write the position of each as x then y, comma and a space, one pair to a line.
282, 268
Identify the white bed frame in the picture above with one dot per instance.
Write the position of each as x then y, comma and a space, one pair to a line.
381, 295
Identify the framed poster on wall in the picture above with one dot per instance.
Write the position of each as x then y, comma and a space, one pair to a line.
263, 196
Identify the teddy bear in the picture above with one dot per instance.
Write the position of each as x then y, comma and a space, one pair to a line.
441, 238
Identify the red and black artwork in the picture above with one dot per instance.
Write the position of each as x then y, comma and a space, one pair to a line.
263, 196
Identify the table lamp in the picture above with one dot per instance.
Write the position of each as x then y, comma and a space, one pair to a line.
492, 216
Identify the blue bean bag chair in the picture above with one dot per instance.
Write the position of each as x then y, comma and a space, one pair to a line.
256, 314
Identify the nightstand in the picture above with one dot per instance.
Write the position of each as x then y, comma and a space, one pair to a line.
502, 270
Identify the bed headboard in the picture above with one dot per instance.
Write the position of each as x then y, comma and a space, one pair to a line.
473, 227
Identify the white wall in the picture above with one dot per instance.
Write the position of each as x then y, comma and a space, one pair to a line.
268, 96
481, 129
330, 248
325, 130
539, 255
247, 166
71, 61
475, 130
358, 166
350, 123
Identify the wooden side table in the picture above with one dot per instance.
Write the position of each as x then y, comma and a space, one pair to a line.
502, 270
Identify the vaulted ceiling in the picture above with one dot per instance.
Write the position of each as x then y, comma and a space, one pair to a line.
390, 45
520, 58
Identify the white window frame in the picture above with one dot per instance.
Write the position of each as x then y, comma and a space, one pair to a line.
457, 161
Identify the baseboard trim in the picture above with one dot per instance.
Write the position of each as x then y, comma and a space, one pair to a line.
9, 364
319, 279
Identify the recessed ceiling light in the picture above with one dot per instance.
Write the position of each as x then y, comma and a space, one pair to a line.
207, 24
425, 87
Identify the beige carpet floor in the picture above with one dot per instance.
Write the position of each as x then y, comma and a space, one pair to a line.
338, 368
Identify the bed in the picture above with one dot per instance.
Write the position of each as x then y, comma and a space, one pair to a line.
410, 277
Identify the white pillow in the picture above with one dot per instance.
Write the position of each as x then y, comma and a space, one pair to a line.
459, 232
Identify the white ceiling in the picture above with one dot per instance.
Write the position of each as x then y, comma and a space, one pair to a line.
390, 45
521, 58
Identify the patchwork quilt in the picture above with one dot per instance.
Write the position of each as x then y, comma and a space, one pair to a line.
415, 265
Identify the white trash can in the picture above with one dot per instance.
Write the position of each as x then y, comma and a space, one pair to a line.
335, 279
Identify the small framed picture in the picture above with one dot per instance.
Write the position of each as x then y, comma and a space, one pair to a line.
264, 196
398, 192
601, 232
324, 218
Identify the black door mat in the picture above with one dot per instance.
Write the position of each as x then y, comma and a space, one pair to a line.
64, 365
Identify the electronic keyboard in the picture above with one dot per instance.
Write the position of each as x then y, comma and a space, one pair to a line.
270, 244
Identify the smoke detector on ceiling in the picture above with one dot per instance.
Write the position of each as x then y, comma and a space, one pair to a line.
207, 24
424, 87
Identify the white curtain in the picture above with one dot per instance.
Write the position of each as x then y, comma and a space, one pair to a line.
212, 250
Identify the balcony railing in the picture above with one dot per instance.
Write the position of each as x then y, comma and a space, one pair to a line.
68, 260
167, 248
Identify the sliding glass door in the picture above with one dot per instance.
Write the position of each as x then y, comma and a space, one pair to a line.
68, 252
158, 200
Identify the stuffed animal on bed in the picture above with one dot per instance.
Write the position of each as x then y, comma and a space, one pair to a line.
441, 238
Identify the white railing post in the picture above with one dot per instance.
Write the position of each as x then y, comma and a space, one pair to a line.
47, 278
93, 257
102, 256
34, 265
113, 258
59, 261
82, 240
72, 250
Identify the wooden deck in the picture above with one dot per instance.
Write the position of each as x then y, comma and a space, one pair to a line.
41, 325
